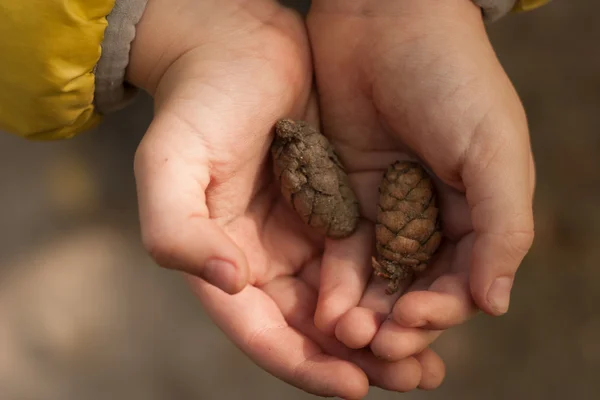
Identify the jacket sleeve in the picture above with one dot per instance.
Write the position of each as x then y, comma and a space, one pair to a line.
528, 5
62, 63
495, 9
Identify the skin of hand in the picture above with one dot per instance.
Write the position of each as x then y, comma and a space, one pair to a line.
419, 79
222, 73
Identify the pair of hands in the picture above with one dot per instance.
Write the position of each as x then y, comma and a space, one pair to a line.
395, 79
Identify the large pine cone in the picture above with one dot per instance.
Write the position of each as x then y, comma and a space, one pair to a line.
313, 180
408, 230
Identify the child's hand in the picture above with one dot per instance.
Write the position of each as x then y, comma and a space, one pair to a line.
420, 77
222, 72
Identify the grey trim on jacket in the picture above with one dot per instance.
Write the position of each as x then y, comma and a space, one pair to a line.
493, 10
112, 91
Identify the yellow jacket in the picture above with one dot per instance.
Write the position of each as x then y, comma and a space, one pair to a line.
62, 62
527, 5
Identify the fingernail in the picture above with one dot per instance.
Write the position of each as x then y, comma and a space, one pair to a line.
499, 294
221, 274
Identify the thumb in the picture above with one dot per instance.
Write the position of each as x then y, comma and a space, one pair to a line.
499, 178
172, 175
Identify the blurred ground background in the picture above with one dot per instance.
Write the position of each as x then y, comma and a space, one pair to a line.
85, 314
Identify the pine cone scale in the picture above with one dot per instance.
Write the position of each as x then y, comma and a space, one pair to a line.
407, 229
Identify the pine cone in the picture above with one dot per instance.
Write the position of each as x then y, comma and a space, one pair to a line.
408, 230
313, 180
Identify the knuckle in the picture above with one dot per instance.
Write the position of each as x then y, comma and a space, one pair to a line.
162, 248
518, 243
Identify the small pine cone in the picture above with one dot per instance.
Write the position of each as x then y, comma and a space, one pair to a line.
313, 179
408, 230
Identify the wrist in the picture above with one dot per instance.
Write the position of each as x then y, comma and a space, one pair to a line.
162, 37
379, 8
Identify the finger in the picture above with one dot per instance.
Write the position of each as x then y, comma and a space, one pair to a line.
357, 328
376, 298
311, 274
433, 369
400, 376
253, 321
171, 177
394, 342
455, 213
446, 301
497, 178
446, 304
345, 270
532, 176
297, 303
